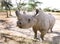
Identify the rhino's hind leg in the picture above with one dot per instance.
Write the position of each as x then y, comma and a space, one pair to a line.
51, 27
51, 30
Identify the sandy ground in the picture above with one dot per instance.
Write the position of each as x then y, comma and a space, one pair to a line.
10, 24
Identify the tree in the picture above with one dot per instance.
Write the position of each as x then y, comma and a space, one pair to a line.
7, 5
10, 6
33, 4
20, 5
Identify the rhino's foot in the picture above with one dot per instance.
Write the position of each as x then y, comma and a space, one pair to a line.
37, 38
51, 31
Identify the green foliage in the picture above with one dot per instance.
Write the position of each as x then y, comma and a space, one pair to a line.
23, 4
47, 9
51, 10
33, 4
55, 10
20, 5
6, 4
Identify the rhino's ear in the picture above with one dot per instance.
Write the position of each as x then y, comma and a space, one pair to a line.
29, 20
37, 11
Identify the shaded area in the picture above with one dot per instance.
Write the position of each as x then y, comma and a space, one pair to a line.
2, 21
57, 33
56, 40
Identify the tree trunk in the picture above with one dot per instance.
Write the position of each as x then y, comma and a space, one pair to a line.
7, 13
10, 12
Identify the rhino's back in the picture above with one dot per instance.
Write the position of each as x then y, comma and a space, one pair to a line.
42, 21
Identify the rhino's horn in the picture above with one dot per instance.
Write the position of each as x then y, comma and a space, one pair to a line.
17, 12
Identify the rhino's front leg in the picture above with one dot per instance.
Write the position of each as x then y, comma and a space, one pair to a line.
35, 33
51, 30
42, 34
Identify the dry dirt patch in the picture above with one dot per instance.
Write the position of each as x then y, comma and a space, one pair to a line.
25, 36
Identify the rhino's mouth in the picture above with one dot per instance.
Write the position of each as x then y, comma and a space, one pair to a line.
19, 26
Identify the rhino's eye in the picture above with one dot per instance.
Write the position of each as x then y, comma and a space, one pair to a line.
19, 22
28, 20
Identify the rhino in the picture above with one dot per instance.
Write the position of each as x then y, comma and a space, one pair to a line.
40, 21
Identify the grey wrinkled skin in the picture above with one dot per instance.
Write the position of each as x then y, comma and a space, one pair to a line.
39, 22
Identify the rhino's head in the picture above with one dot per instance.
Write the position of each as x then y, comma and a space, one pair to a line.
25, 21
